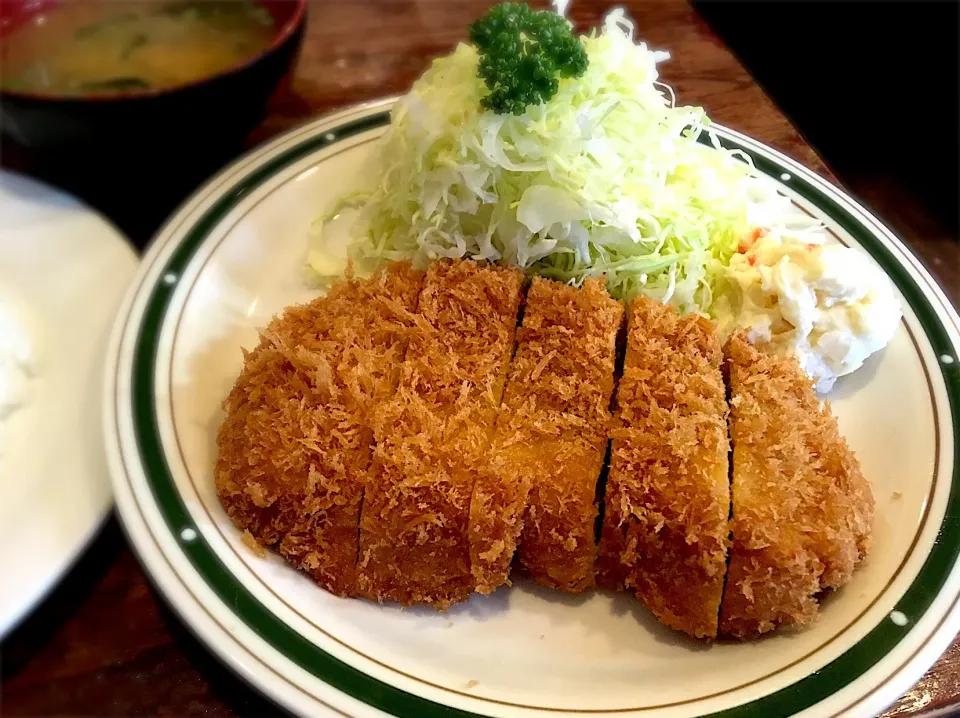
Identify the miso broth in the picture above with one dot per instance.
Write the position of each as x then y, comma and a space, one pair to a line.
83, 47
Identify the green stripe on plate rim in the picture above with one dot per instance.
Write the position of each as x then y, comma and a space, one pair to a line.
806, 692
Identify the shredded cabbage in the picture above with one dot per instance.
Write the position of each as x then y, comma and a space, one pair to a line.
607, 178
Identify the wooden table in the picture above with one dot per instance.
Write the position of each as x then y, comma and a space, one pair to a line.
104, 644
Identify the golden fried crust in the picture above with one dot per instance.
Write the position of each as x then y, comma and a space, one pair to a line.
550, 440
802, 511
296, 439
665, 531
566, 350
432, 437
558, 544
497, 507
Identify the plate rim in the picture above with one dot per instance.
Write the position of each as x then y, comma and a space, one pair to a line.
220, 185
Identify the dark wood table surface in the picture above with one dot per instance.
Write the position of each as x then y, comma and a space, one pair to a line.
104, 643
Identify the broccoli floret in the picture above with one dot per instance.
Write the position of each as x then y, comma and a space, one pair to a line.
523, 52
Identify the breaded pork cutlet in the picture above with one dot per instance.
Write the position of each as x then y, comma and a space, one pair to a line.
665, 531
550, 441
802, 511
296, 440
432, 437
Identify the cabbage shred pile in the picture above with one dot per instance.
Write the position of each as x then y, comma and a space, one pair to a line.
606, 177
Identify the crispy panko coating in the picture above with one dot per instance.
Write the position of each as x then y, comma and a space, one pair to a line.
566, 348
296, 441
435, 433
550, 441
665, 531
558, 545
802, 511
386, 440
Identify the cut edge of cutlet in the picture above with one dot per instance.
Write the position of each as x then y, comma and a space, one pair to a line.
487, 557
780, 422
409, 281
611, 575
560, 402
667, 538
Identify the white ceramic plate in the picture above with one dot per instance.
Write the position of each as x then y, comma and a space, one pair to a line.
231, 257
67, 269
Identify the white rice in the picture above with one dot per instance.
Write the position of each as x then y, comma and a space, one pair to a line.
17, 364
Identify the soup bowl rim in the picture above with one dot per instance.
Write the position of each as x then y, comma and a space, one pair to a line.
280, 36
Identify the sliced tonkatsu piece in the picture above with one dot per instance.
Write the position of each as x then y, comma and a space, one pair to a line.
560, 454
802, 511
296, 440
550, 441
666, 531
558, 545
435, 433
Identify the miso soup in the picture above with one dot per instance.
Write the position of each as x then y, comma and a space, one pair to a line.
86, 47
